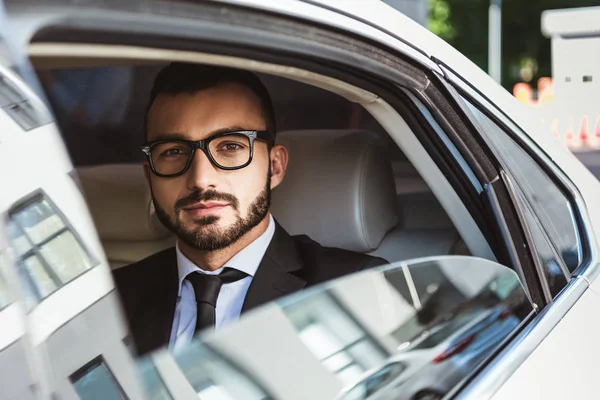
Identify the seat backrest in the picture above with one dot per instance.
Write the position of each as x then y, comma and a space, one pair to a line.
119, 200
339, 188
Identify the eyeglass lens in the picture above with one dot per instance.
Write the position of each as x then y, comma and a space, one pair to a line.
230, 151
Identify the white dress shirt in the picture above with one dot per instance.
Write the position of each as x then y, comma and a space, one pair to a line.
231, 297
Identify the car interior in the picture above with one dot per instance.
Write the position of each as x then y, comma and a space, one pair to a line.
348, 182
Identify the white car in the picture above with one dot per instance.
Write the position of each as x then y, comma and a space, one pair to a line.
399, 147
434, 362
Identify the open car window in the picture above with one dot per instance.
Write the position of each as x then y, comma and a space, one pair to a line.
415, 327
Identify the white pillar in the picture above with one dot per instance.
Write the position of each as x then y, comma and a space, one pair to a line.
495, 40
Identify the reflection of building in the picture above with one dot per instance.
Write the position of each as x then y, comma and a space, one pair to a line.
17, 379
67, 328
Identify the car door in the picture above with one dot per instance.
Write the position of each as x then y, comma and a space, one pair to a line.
558, 215
377, 334
447, 149
62, 333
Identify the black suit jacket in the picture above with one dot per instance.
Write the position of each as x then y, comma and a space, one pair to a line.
149, 288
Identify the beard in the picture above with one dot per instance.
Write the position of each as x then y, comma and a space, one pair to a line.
205, 234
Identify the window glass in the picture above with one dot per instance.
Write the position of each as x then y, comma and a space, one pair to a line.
375, 382
19, 241
48, 253
66, 256
28, 113
436, 336
366, 336
39, 221
153, 384
549, 260
44, 284
96, 382
5, 293
551, 206
337, 340
214, 378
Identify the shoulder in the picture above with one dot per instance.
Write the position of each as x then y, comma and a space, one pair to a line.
132, 279
322, 263
148, 265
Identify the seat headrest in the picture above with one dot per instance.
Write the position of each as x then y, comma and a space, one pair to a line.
119, 200
339, 188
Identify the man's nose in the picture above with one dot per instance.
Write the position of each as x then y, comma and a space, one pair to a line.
202, 174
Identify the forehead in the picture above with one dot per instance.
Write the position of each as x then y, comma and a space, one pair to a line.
197, 115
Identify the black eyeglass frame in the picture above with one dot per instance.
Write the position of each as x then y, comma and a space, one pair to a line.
203, 145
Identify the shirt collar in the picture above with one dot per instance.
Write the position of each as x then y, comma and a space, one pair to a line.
246, 260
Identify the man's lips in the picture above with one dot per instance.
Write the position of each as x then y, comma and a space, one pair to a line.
205, 207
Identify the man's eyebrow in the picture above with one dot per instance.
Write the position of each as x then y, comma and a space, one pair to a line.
182, 136
169, 136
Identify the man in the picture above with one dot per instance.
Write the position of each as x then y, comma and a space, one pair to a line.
211, 164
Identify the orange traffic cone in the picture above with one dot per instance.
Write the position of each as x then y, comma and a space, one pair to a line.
595, 138
572, 141
584, 136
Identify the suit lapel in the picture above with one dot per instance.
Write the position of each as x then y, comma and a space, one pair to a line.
275, 276
153, 321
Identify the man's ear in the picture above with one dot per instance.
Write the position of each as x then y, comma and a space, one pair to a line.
279, 162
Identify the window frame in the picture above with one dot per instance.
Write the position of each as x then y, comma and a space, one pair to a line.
541, 159
20, 205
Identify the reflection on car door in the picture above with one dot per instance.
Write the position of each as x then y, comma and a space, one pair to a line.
368, 335
62, 333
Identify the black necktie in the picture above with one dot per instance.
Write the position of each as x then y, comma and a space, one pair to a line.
206, 291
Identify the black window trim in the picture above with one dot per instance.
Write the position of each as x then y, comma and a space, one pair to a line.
543, 160
510, 181
563, 190
564, 185
23, 203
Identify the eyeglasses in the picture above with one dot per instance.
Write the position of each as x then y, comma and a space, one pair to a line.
228, 151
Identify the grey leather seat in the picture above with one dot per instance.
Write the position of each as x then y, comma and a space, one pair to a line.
119, 200
340, 190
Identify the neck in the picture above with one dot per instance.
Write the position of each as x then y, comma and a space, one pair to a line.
215, 259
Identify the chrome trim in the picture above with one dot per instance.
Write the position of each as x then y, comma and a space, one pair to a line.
590, 268
500, 369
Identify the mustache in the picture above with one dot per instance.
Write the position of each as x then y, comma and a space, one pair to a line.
206, 195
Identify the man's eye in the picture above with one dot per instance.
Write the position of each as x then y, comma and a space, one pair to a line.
173, 152
230, 147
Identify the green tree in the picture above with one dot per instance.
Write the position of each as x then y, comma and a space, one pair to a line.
439, 19
464, 24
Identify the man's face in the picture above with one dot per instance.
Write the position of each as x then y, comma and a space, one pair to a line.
209, 208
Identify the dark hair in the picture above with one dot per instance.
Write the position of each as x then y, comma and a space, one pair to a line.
178, 78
